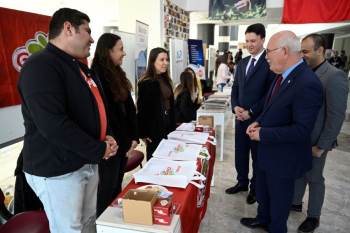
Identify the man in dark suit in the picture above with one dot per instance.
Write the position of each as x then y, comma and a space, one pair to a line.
327, 127
283, 130
252, 80
65, 125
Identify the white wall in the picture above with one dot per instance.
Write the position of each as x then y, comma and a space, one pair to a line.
146, 11
180, 3
197, 5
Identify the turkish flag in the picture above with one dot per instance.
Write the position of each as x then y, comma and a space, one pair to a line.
21, 34
315, 11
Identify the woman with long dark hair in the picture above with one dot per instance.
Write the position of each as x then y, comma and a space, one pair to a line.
155, 102
121, 115
185, 107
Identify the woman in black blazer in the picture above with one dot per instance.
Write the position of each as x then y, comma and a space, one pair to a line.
185, 98
155, 102
121, 115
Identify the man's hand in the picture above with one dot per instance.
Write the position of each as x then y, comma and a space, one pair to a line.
317, 152
238, 111
245, 115
253, 131
111, 147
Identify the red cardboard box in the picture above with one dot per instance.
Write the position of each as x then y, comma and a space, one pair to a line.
162, 207
162, 220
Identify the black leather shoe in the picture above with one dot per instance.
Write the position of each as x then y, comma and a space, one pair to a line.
253, 223
309, 225
251, 198
297, 208
236, 189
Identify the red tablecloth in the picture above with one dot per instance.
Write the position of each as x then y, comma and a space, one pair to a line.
190, 215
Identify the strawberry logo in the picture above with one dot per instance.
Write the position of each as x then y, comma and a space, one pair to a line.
20, 55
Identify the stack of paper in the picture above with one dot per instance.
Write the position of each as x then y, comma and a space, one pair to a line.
167, 172
189, 137
177, 150
216, 103
186, 127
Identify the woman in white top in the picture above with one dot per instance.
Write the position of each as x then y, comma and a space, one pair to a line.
222, 71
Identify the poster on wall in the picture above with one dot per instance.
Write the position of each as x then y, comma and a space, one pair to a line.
141, 38
178, 58
21, 35
196, 57
228, 10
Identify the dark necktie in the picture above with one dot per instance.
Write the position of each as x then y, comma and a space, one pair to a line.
251, 67
276, 87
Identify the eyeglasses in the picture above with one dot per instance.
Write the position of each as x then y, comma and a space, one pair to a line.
271, 50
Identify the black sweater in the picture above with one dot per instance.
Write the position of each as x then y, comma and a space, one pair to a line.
122, 119
151, 117
61, 119
185, 109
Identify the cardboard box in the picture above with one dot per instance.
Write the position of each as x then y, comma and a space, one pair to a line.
138, 206
206, 120
163, 210
163, 220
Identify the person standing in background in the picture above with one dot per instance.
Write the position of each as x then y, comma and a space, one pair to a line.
251, 83
283, 131
198, 90
121, 112
327, 127
185, 107
65, 125
155, 102
222, 72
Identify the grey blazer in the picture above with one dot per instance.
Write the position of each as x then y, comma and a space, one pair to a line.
332, 113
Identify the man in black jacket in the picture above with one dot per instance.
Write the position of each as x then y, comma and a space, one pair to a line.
65, 125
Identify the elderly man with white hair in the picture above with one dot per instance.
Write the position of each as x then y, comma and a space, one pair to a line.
283, 131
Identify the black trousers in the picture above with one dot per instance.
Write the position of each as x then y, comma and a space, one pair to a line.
243, 148
111, 173
151, 147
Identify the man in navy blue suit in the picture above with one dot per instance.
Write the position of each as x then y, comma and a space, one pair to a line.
283, 131
252, 81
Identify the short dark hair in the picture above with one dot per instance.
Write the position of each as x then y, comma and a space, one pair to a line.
257, 28
75, 17
319, 41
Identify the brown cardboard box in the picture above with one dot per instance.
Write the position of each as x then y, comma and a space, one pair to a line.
138, 206
206, 120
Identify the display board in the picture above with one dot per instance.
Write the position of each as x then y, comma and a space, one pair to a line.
178, 58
